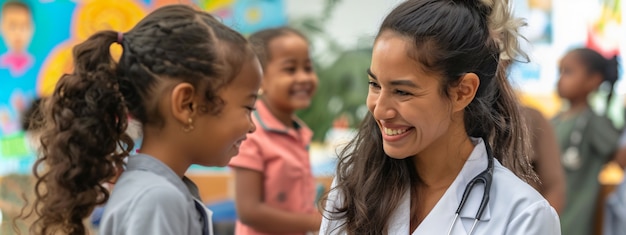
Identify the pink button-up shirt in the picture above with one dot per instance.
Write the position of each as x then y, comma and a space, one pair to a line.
282, 155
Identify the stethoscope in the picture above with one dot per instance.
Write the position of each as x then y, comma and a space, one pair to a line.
484, 177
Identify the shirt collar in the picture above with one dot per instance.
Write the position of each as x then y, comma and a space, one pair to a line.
144, 162
442, 215
269, 122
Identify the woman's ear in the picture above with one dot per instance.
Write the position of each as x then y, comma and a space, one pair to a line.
182, 102
464, 92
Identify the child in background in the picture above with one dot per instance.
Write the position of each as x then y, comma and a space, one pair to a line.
275, 188
192, 83
588, 141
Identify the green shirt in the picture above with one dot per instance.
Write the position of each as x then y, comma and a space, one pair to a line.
596, 148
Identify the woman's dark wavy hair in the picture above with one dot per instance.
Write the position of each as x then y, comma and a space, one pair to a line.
84, 139
458, 37
594, 62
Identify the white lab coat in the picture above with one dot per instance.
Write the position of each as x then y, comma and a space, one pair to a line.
515, 208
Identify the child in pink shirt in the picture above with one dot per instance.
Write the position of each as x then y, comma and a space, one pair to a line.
275, 188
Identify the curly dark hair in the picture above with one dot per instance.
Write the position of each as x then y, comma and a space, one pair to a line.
84, 140
31, 115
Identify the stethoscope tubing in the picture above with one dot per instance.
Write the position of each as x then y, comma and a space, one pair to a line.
485, 177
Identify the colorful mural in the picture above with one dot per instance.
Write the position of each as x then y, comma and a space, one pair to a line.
38, 36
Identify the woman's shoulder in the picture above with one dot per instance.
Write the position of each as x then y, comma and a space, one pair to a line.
521, 206
511, 191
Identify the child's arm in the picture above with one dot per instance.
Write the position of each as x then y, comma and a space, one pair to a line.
253, 212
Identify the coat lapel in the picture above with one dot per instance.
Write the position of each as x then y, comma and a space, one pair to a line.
439, 220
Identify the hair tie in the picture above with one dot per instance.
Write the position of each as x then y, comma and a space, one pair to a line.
120, 37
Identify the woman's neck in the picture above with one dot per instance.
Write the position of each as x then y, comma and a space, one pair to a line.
284, 116
439, 164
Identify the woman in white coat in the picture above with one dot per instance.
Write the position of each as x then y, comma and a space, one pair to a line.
438, 98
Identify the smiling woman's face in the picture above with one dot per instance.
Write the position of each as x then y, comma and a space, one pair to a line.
406, 101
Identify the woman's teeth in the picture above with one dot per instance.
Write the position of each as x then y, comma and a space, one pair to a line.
392, 132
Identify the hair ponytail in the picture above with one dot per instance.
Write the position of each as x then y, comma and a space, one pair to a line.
83, 140
504, 29
510, 133
611, 76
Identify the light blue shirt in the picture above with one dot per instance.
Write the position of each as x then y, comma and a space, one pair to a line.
149, 198
514, 208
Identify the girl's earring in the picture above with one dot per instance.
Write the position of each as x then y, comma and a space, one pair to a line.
260, 91
189, 126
